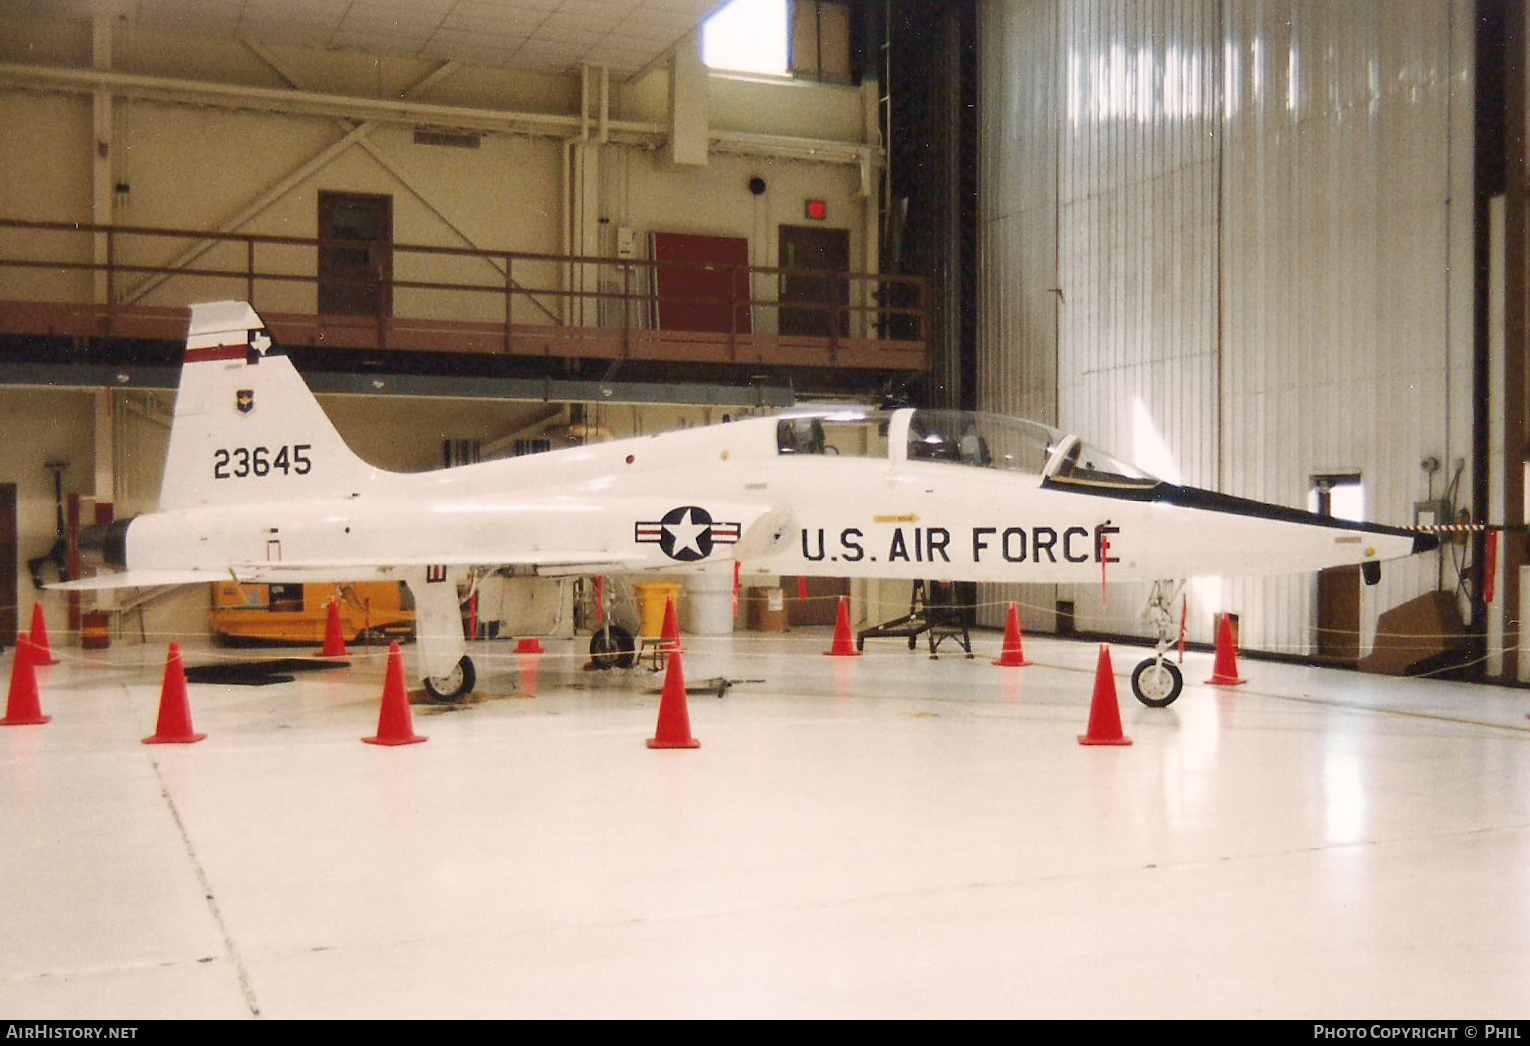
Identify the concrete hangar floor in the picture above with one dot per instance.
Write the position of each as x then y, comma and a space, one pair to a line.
884, 836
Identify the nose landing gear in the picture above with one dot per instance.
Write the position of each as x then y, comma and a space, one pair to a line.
1157, 682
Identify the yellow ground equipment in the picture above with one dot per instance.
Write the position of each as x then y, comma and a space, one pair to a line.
298, 613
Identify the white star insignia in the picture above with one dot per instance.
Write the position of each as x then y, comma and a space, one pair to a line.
686, 534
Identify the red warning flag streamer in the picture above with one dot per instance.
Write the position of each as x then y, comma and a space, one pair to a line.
802, 587
1490, 562
1104, 559
738, 579
1184, 612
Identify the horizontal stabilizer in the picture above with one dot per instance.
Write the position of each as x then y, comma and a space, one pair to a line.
138, 579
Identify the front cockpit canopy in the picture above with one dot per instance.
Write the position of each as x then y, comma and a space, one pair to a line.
981, 440
986, 440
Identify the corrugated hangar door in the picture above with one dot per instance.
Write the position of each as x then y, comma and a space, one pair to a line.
9, 618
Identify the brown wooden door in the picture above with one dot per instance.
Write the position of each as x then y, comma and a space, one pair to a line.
1338, 614
822, 604
10, 618
354, 275
815, 248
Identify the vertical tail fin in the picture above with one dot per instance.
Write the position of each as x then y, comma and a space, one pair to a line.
246, 426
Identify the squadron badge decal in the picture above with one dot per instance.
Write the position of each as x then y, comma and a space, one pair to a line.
687, 533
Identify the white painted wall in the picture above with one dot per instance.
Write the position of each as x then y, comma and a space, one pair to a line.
1233, 242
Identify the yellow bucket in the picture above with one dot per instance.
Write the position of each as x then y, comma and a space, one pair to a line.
651, 597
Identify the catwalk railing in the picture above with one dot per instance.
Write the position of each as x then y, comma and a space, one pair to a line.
117, 281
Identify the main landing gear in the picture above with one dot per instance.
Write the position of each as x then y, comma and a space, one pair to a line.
1157, 681
453, 686
608, 606
611, 646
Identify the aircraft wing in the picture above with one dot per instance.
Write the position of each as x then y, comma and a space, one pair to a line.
570, 561
563, 560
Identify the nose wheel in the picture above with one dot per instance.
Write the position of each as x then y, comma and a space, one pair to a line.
1157, 683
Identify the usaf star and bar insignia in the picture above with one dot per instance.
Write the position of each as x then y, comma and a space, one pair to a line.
687, 533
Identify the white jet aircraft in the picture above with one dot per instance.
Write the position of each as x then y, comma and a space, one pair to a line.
260, 487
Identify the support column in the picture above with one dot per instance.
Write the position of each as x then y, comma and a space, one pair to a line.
102, 183
585, 312
582, 195
1516, 326
871, 205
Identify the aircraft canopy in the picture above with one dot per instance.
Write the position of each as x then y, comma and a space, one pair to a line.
985, 440
969, 438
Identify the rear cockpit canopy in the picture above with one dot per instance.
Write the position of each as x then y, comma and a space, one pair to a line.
969, 438
852, 431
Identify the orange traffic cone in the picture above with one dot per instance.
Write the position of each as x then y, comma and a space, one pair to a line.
528, 645
669, 634
395, 726
174, 726
334, 639
1225, 671
42, 654
674, 729
1105, 709
844, 642
1014, 654
23, 706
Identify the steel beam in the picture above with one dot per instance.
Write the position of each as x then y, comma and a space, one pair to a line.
289, 102
440, 386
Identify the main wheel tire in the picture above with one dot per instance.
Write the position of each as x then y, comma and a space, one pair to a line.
455, 685
612, 647
1157, 683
